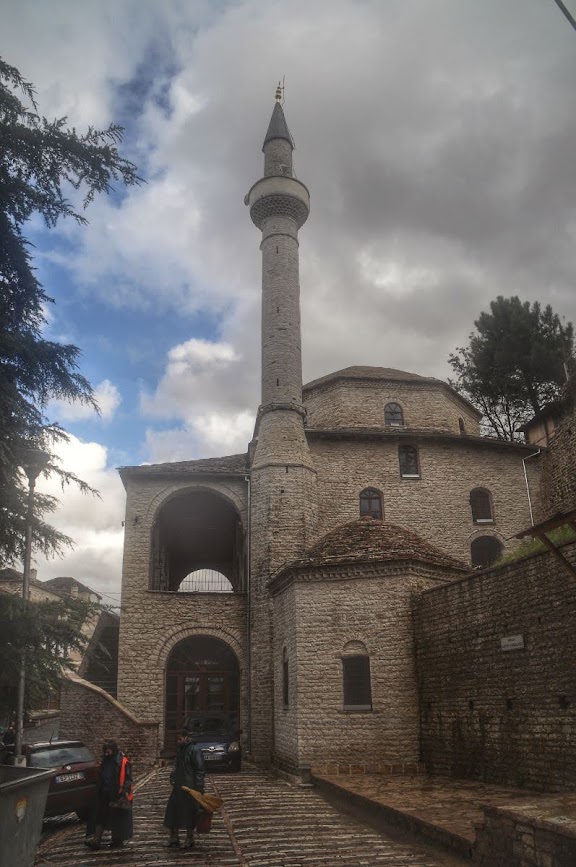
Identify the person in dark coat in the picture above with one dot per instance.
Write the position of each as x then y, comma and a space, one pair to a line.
182, 810
113, 806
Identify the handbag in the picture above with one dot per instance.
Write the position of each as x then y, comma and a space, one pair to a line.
204, 822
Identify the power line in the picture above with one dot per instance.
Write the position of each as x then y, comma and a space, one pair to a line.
566, 12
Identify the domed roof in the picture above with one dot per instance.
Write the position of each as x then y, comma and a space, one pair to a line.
369, 539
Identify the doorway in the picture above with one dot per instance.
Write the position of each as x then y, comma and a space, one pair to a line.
202, 681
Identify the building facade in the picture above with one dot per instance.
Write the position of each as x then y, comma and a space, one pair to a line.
274, 587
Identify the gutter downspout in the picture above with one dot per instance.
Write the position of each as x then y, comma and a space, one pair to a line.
527, 458
248, 612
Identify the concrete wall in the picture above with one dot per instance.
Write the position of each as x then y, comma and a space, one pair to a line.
491, 713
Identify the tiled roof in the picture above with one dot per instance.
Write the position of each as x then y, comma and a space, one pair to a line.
368, 539
223, 466
65, 584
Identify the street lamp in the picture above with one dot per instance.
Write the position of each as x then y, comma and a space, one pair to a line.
33, 461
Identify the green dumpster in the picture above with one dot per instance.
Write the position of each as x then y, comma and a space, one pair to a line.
23, 794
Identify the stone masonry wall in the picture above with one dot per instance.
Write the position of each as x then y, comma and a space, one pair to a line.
153, 622
360, 403
436, 506
496, 656
92, 715
558, 470
370, 604
285, 750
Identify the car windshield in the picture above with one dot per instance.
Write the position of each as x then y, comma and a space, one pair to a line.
57, 756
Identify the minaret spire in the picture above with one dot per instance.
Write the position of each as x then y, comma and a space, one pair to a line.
283, 479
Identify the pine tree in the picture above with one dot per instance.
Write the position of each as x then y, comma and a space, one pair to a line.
40, 160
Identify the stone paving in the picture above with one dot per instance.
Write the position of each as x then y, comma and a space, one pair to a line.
266, 822
439, 808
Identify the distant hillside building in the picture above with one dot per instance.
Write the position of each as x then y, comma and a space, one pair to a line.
274, 587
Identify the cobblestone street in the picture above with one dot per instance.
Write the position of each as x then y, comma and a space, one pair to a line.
265, 822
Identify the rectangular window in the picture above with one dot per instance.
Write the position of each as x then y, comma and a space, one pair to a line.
356, 680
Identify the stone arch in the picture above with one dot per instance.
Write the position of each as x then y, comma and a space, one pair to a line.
177, 489
202, 686
194, 527
163, 648
354, 647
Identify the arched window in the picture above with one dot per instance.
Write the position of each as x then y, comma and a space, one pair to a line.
356, 683
285, 680
205, 581
393, 415
484, 551
408, 460
371, 503
481, 505
461, 426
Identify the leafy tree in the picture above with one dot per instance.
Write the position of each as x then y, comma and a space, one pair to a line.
40, 160
48, 632
516, 362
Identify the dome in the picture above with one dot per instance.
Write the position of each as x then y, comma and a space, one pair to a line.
369, 539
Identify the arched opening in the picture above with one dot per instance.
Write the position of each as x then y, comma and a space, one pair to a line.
481, 505
484, 551
393, 415
202, 681
198, 536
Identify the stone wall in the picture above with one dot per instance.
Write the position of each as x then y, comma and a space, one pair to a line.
526, 836
436, 506
496, 656
153, 622
318, 617
91, 715
360, 403
558, 469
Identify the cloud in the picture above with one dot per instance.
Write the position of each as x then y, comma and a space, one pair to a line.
210, 435
95, 524
106, 395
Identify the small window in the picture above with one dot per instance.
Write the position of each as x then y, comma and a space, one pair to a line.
461, 426
481, 505
408, 460
371, 503
285, 680
484, 551
356, 681
393, 415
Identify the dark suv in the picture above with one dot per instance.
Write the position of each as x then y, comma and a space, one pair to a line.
73, 786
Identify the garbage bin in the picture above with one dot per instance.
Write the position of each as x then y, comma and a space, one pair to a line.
23, 793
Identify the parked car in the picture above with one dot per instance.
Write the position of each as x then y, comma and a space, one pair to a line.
219, 741
73, 786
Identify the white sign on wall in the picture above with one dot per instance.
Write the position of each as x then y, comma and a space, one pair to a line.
512, 642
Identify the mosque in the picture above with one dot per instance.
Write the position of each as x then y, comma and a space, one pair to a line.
275, 587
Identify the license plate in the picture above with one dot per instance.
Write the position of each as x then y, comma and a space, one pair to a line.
211, 757
68, 778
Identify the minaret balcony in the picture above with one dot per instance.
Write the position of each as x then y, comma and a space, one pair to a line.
278, 196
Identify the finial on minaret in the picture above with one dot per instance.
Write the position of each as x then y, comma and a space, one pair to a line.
279, 90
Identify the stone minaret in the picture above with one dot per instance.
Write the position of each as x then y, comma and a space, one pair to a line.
283, 480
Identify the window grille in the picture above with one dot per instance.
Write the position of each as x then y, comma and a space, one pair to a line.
408, 460
371, 503
393, 415
356, 683
481, 505
205, 581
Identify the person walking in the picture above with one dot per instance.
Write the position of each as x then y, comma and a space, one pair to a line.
182, 810
113, 805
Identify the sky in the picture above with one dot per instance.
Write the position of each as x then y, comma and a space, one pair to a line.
437, 141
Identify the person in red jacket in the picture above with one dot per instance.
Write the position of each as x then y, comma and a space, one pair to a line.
113, 805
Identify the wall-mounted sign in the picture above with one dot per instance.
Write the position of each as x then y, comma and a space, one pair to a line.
512, 642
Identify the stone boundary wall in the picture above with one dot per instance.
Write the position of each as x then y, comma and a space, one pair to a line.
557, 491
496, 654
90, 714
520, 837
